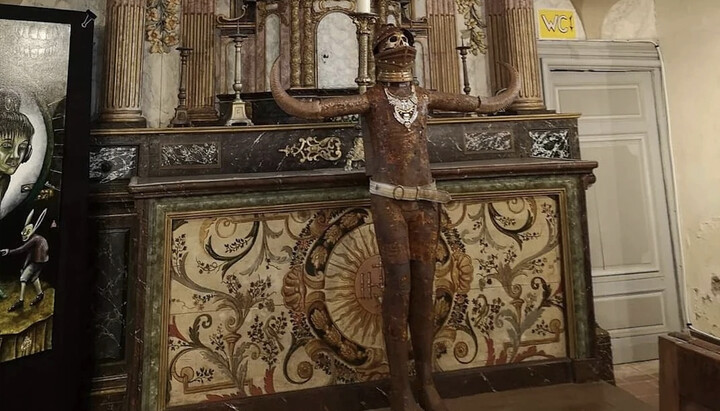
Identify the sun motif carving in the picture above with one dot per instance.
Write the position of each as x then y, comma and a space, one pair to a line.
353, 286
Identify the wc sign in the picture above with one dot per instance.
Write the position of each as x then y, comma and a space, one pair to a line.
557, 24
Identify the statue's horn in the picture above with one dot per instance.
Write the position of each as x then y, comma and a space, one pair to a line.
504, 99
289, 104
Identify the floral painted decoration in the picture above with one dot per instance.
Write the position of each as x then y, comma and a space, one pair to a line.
162, 21
472, 11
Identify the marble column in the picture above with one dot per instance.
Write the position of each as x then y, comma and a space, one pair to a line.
198, 33
125, 30
445, 68
512, 39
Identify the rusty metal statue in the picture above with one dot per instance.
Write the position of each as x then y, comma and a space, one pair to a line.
404, 198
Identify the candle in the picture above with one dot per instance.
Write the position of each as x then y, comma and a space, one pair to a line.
363, 6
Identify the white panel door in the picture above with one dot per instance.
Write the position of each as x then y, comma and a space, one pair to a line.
630, 241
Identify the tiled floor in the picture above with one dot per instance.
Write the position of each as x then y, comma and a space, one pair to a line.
641, 380
581, 397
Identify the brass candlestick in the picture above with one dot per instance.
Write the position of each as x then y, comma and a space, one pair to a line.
364, 23
181, 118
238, 110
463, 55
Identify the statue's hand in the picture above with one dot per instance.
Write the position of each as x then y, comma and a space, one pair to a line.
4, 252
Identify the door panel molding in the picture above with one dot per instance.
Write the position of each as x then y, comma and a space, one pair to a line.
654, 284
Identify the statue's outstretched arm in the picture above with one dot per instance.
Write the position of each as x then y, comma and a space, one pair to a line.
316, 109
463, 103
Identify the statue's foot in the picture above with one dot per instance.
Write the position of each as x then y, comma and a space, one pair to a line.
404, 401
408, 406
430, 399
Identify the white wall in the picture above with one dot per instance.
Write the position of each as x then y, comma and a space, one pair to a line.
688, 33
617, 19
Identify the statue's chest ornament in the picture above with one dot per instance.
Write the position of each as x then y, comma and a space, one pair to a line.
405, 109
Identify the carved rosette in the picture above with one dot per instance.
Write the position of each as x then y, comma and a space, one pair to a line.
311, 149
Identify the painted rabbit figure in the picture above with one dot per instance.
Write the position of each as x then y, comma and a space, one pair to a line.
37, 254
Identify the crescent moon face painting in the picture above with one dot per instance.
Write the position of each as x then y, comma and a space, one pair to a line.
34, 61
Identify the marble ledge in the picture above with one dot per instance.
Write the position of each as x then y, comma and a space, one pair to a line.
373, 395
154, 187
337, 125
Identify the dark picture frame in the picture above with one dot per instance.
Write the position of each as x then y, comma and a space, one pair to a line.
59, 377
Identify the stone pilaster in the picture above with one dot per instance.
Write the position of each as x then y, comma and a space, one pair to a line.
445, 67
125, 31
198, 33
512, 39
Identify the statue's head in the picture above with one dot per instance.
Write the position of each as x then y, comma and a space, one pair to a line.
394, 54
16, 133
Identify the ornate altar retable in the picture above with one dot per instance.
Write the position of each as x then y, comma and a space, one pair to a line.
255, 276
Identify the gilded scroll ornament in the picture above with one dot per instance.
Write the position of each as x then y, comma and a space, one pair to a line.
310, 149
162, 21
472, 11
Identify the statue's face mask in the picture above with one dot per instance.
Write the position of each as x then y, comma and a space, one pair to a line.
395, 58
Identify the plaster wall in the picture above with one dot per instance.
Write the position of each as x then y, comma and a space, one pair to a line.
592, 13
685, 30
617, 19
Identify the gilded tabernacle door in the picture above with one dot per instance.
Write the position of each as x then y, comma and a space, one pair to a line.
259, 300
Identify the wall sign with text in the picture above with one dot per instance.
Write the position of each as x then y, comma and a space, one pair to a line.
557, 24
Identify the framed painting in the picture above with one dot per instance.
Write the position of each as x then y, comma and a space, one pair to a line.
45, 72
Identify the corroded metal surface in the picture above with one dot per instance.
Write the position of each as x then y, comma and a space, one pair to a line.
396, 114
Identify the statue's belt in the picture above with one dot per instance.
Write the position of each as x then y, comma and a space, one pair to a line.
397, 192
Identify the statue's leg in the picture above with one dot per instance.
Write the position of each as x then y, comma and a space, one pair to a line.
424, 231
391, 233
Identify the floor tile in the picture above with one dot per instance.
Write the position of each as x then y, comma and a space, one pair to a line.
567, 397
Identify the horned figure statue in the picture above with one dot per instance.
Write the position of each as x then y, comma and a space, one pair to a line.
404, 197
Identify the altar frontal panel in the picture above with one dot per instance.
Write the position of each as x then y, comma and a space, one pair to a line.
276, 299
